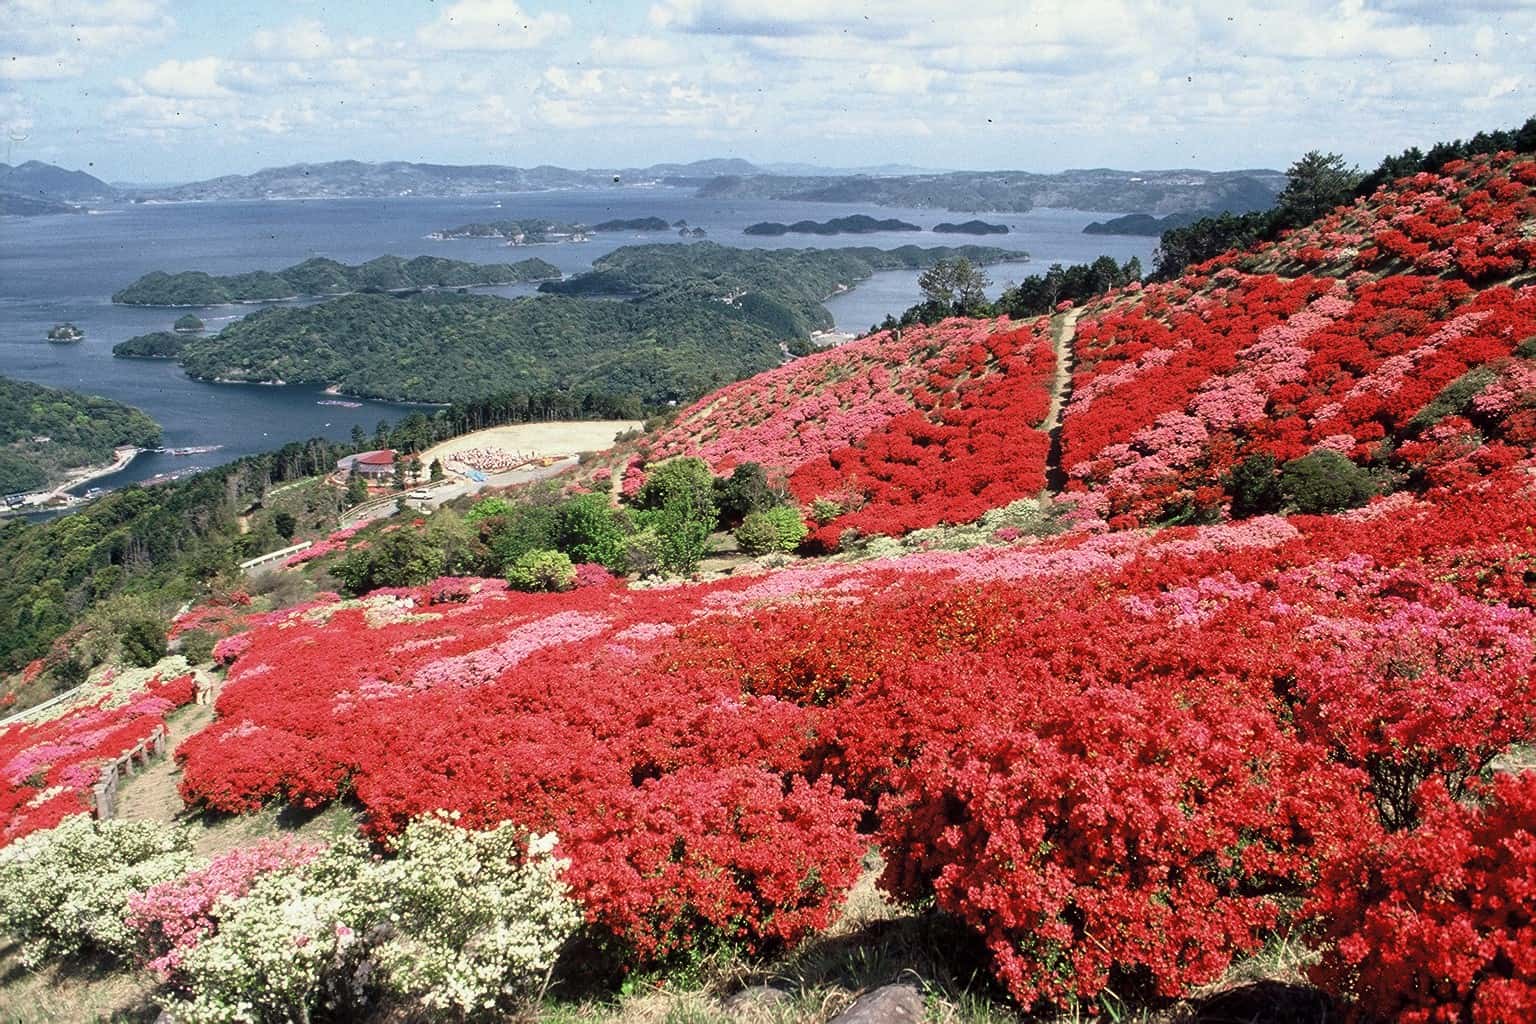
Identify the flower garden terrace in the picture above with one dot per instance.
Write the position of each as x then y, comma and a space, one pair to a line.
1160, 740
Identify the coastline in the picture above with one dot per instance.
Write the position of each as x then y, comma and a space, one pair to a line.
59, 496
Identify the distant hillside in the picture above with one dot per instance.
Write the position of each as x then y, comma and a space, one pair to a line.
13, 205
858, 224
44, 432
321, 276
1018, 191
37, 180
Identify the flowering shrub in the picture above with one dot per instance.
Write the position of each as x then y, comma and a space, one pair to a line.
1435, 924
172, 917
47, 768
66, 890
457, 921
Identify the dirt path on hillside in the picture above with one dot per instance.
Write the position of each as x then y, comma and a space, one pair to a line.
1062, 336
151, 794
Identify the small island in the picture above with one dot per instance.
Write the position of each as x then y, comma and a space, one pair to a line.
534, 231
692, 233
634, 224
1142, 224
857, 224
325, 277
188, 324
158, 345
65, 334
970, 227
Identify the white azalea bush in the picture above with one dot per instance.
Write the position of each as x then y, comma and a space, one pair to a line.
64, 891
457, 922
471, 919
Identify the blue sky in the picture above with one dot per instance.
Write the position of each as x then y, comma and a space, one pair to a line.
153, 90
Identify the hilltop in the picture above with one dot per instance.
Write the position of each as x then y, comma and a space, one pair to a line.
1181, 636
45, 432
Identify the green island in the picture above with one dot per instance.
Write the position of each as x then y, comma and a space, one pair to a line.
65, 334
700, 316
46, 432
970, 227
635, 224
530, 231
155, 345
321, 276
1143, 224
858, 224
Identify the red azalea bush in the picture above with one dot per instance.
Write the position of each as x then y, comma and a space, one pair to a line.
1435, 924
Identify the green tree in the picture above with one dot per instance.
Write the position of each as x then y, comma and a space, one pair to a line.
957, 285
589, 529
683, 479
778, 529
404, 558
143, 642
1255, 487
357, 488
436, 471
746, 491
284, 524
1315, 185
359, 438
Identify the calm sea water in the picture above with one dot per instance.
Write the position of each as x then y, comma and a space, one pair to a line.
66, 268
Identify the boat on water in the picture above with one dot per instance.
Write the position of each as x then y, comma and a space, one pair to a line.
203, 449
339, 403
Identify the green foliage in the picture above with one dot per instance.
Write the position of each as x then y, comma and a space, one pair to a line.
778, 529
1315, 184
285, 524
188, 323
64, 891
485, 508
1325, 481
1453, 398
1255, 487
1208, 238
685, 479
956, 285
143, 642
824, 510
321, 276
589, 529
197, 646
747, 490
541, 571
44, 431
404, 558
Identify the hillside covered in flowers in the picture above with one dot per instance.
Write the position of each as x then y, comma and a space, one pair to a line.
1271, 677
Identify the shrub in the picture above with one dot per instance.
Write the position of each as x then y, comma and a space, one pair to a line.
757, 535
143, 642
474, 917
65, 891
686, 480
779, 529
403, 558
542, 571
589, 529
1324, 481
824, 510
1435, 924
1255, 487
747, 491
487, 508
197, 646
457, 921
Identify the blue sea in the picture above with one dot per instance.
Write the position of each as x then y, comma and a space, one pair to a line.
66, 267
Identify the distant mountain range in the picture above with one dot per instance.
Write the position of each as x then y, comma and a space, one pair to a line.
1152, 192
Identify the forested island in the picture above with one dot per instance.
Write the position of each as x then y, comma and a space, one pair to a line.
857, 224
321, 276
1143, 224
531, 231
970, 227
155, 345
635, 224
45, 432
700, 316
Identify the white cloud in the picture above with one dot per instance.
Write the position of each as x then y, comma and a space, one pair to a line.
491, 25
185, 78
47, 39
637, 52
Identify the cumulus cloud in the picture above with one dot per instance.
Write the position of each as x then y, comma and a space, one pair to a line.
49, 39
491, 25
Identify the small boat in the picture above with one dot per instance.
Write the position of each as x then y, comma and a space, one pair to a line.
338, 403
